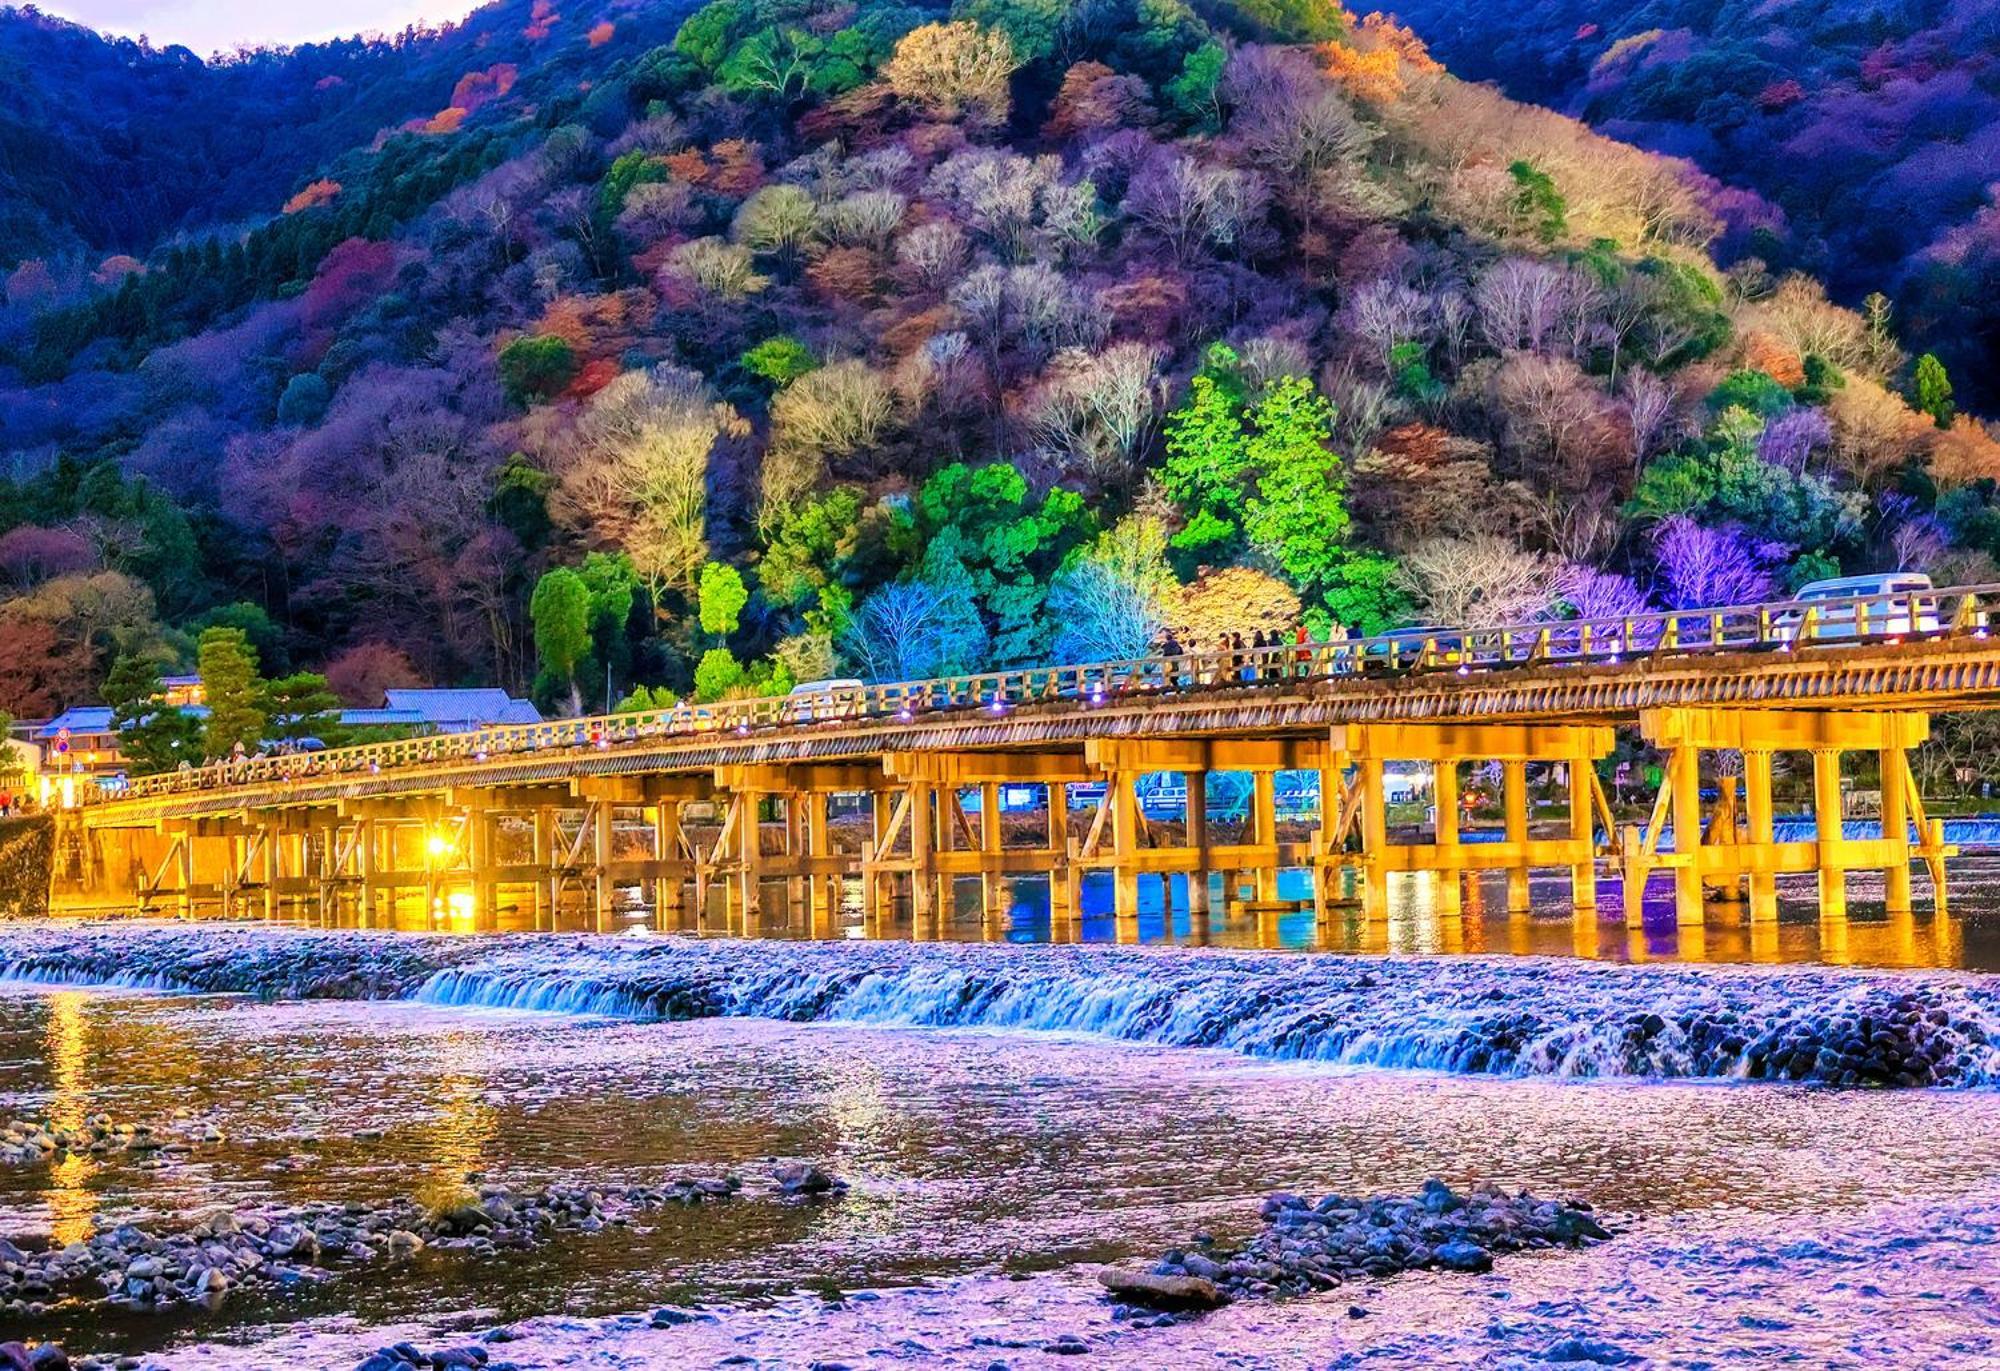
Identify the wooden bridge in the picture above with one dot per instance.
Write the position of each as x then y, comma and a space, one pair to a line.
712, 818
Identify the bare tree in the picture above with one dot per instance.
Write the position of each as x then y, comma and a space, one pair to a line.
634, 474
1479, 582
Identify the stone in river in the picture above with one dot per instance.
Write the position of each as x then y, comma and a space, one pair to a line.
1162, 1292
1590, 1350
1464, 1256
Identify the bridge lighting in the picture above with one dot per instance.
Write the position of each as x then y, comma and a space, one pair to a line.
903, 715
999, 706
439, 846
743, 730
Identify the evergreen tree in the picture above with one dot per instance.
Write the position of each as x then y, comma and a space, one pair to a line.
1933, 387
152, 736
560, 609
233, 690
301, 706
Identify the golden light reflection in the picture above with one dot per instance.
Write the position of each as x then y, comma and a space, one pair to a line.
72, 1203
464, 1126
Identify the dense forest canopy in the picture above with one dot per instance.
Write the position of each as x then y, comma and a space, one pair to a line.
1871, 126
700, 352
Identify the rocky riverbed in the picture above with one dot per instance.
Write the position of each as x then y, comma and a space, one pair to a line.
1308, 1246
25, 1142
140, 1269
1508, 1017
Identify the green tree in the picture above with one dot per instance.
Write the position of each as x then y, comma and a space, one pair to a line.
1933, 387
716, 674
521, 500
535, 368
722, 597
811, 547
233, 690
257, 624
301, 706
1538, 203
1207, 455
780, 360
641, 699
982, 523
1192, 93
560, 609
1297, 514
151, 736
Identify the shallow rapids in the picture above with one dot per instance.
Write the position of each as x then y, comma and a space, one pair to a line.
1476, 1016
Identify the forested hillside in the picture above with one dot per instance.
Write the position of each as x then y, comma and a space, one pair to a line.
816, 337
1872, 125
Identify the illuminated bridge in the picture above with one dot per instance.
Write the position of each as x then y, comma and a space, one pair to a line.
724, 817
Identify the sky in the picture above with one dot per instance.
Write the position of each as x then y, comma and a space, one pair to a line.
209, 26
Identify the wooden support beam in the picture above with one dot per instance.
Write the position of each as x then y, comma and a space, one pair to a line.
1139, 756
977, 768
1480, 742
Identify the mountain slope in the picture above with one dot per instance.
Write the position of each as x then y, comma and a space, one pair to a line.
805, 337
1874, 126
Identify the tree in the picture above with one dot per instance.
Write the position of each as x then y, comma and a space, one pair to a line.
1297, 514
1478, 582
779, 360
722, 598
644, 699
233, 691
1933, 388
780, 220
362, 675
954, 70
304, 400
980, 523
716, 674
301, 706
152, 736
560, 609
1703, 567
635, 472
535, 368
1537, 203
1207, 455
918, 629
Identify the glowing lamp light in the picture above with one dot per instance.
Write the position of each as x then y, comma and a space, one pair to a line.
743, 730
439, 845
903, 715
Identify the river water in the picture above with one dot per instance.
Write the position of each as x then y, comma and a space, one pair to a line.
1006, 1118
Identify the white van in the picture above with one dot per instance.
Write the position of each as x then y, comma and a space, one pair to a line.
835, 699
1849, 607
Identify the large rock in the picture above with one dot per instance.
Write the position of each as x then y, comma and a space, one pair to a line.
1161, 1292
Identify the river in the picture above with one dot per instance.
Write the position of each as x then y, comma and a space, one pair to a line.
1007, 1117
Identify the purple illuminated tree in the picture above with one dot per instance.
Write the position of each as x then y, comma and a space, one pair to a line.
1594, 594
1702, 566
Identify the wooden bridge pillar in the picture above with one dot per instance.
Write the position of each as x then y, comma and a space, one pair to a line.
1446, 746
1514, 801
1732, 857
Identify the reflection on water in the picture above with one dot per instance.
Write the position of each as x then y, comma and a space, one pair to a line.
1283, 916
968, 1151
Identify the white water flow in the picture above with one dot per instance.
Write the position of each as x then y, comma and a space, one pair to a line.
1485, 1016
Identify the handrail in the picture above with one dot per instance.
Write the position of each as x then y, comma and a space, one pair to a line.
1781, 626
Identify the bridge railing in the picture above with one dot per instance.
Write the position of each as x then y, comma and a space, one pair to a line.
1778, 627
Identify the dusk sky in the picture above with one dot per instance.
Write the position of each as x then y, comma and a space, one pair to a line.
209, 26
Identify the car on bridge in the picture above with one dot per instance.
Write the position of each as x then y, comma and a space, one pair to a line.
1414, 648
1849, 608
